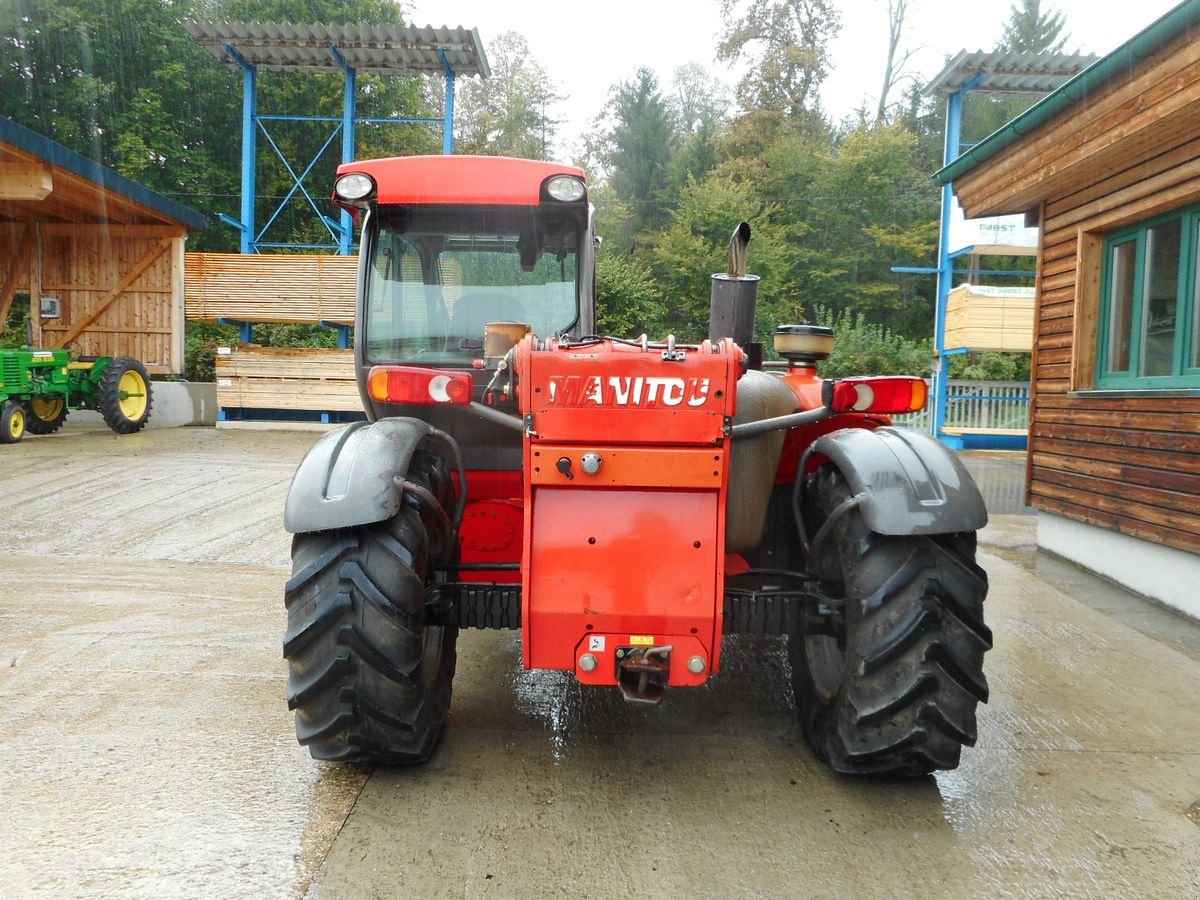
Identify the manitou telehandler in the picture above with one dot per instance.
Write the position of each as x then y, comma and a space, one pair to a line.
624, 503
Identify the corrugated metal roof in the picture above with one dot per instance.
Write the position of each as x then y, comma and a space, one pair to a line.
282, 46
1010, 73
18, 142
1117, 64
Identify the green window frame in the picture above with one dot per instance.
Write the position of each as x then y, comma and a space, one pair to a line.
1149, 335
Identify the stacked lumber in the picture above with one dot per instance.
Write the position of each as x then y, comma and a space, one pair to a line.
274, 288
250, 377
990, 318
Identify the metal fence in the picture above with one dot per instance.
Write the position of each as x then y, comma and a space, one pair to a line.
977, 404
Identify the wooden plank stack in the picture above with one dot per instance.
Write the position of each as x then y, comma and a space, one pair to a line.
250, 377
990, 318
274, 288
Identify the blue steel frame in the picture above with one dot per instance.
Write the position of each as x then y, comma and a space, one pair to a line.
341, 232
945, 275
945, 270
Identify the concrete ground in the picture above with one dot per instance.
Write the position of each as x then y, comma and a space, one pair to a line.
146, 748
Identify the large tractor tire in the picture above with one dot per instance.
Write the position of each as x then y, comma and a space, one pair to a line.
12, 421
123, 395
45, 415
893, 690
369, 681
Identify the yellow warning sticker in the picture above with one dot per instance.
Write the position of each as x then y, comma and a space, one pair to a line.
642, 640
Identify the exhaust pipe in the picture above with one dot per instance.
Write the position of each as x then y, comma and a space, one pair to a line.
734, 299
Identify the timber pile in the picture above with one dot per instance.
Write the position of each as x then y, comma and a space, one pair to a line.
270, 288
285, 378
990, 318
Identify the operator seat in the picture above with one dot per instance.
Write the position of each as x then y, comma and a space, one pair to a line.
473, 311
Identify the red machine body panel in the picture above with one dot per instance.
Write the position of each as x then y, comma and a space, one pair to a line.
459, 179
626, 462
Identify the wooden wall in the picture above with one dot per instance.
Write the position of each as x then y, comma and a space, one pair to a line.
1128, 463
120, 288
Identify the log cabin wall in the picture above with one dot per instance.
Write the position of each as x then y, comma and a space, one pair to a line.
1127, 461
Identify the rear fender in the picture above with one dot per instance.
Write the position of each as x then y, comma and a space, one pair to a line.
355, 475
909, 483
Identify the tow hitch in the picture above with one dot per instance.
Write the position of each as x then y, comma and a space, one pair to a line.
642, 673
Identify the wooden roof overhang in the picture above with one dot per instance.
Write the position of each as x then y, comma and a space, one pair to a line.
1129, 106
42, 181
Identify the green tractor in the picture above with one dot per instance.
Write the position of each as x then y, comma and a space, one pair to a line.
39, 387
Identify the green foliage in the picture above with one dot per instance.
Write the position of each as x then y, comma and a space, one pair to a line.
1030, 30
295, 335
695, 245
786, 43
990, 366
636, 149
201, 341
14, 331
120, 82
628, 302
509, 113
865, 348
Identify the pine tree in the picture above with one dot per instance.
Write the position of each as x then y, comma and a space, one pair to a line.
1029, 30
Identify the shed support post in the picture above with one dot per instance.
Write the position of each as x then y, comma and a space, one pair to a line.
941, 364
349, 111
448, 113
249, 146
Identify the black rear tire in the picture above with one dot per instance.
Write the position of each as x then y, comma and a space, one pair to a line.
123, 395
368, 680
45, 415
897, 694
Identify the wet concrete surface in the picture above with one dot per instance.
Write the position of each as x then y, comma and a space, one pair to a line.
146, 748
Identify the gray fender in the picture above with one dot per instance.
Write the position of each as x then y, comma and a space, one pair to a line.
909, 482
354, 475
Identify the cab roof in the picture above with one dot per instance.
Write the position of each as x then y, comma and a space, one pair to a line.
452, 179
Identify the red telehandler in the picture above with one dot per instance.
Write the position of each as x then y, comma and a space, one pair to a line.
624, 503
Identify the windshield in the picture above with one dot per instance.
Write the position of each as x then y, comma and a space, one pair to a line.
437, 276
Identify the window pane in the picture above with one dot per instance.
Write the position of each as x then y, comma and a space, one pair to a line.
1120, 307
1161, 292
439, 275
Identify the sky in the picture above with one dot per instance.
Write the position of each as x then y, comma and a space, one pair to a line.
591, 47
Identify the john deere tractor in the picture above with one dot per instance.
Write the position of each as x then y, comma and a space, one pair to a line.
39, 387
624, 503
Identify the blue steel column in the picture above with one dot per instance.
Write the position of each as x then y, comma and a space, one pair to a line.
448, 115
349, 108
945, 260
249, 146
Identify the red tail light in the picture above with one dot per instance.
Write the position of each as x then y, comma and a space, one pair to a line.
414, 386
902, 394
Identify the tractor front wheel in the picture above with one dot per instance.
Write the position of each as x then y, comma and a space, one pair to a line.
367, 678
12, 421
45, 415
123, 395
889, 682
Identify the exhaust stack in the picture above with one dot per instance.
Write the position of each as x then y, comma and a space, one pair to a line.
734, 299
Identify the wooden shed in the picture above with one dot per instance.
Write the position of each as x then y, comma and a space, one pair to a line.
100, 256
1109, 165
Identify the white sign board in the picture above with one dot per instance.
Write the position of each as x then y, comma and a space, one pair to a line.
997, 236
